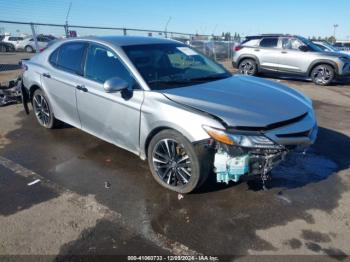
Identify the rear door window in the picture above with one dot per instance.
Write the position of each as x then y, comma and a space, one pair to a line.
13, 38
70, 57
269, 42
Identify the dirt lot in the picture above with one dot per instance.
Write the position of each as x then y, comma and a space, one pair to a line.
71, 211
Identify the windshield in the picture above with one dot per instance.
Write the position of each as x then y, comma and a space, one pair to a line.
311, 45
173, 65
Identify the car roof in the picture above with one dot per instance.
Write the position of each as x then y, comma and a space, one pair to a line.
268, 35
129, 40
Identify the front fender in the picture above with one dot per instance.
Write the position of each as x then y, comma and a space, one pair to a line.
159, 112
323, 61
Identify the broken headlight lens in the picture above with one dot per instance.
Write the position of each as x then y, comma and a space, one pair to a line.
250, 141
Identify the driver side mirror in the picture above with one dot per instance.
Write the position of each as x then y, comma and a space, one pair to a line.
115, 84
304, 48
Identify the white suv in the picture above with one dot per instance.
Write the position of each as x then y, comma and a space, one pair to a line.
28, 44
13, 40
289, 54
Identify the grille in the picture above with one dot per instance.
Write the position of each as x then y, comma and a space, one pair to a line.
272, 126
299, 134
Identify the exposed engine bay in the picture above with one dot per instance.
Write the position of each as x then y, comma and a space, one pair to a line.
231, 163
239, 153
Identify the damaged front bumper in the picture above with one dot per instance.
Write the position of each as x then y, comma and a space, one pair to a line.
247, 153
232, 163
246, 163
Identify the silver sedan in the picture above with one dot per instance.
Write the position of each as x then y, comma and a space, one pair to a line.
170, 104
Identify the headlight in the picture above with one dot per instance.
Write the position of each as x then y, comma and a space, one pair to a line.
251, 141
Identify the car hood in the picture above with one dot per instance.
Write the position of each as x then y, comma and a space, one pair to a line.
242, 101
331, 54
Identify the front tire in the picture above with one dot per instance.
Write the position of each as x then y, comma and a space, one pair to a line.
248, 67
322, 74
175, 163
43, 110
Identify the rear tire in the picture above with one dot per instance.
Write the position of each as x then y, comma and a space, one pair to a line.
43, 110
248, 67
175, 163
322, 74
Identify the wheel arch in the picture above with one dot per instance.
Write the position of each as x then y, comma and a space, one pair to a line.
32, 89
153, 133
30, 47
248, 56
322, 62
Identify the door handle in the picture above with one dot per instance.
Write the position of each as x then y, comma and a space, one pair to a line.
284, 52
47, 75
257, 50
81, 88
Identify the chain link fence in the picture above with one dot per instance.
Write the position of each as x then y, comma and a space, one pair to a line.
26, 38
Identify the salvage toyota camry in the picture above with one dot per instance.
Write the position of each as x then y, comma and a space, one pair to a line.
170, 104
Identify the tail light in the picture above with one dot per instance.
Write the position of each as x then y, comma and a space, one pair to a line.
237, 48
42, 49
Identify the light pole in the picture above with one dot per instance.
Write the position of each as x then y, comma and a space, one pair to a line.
67, 16
166, 27
335, 28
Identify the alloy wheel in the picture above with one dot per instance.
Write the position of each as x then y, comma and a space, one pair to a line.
247, 68
42, 110
171, 162
322, 75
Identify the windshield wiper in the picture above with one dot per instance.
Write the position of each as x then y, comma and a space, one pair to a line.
186, 81
168, 82
160, 84
209, 78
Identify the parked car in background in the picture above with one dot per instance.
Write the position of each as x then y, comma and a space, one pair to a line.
292, 55
214, 49
199, 45
13, 40
342, 45
6, 47
168, 103
327, 47
218, 49
28, 44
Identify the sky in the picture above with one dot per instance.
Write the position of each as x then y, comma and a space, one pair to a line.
302, 17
